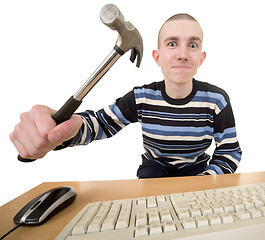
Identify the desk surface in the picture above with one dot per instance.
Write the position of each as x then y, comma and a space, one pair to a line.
95, 191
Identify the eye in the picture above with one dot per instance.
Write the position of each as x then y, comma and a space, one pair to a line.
193, 45
172, 44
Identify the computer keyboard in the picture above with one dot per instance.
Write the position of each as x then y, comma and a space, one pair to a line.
221, 213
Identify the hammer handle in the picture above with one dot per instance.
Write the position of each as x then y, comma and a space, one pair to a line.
63, 114
66, 111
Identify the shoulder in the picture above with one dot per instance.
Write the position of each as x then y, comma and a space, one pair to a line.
212, 94
207, 87
152, 90
152, 86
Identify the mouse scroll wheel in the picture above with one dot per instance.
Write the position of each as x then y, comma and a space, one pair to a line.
35, 205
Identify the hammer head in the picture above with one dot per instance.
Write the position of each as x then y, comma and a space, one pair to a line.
128, 38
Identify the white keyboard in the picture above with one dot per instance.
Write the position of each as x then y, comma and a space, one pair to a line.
221, 213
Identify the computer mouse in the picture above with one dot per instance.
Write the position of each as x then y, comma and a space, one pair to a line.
44, 206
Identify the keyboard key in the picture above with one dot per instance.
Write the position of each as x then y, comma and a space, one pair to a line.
262, 209
206, 211
123, 221
183, 202
254, 213
108, 224
258, 203
202, 221
155, 228
124, 216
228, 208
183, 214
248, 204
227, 217
195, 212
243, 215
181, 205
214, 219
165, 215
217, 209
238, 206
188, 223
195, 205
153, 216
169, 226
96, 224
141, 219
141, 231
151, 202
141, 201
160, 199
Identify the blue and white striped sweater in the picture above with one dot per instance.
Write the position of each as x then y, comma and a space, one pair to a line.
176, 132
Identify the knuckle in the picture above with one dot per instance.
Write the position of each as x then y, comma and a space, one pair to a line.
39, 109
17, 130
40, 144
12, 136
36, 108
24, 116
44, 132
33, 153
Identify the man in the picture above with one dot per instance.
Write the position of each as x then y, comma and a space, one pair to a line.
180, 115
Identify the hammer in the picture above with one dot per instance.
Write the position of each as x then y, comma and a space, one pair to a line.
128, 38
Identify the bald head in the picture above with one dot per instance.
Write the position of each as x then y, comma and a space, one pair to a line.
176, 17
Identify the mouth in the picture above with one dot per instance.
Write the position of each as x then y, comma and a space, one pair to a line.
181, 67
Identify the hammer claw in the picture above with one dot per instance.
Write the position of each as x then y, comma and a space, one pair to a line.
133, 54
139, 59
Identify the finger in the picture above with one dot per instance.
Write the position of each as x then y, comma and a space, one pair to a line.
43, 119
66, 130
29, 133
27, 138
18, 144
22, 142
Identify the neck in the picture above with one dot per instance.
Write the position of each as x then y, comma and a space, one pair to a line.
178, 91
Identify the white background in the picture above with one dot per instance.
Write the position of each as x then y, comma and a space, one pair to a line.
49, 48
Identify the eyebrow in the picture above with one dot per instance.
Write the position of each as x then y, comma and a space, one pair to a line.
193, 38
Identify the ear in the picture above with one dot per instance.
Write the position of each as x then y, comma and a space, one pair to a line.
155, 55
203, 56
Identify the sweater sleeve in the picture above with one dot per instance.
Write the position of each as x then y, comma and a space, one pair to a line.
227, 154
104, 123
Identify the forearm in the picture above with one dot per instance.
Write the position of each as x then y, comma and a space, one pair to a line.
227, 154
104, 123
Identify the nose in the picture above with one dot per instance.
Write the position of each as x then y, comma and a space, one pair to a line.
182, 53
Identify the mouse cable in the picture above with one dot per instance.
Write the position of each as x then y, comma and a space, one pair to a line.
21, 224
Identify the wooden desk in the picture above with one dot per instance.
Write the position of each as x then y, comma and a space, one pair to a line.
95, 191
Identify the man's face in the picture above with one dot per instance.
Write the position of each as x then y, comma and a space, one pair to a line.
179, 54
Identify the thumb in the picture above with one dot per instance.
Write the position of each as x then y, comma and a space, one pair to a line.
65, 130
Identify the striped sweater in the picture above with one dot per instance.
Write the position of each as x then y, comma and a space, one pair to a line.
176, 132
